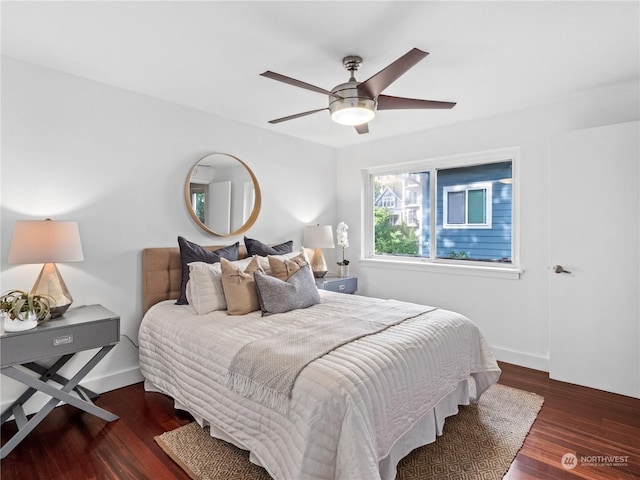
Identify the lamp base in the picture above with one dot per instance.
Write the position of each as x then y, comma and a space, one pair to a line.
59, 310
318, 264
50, 282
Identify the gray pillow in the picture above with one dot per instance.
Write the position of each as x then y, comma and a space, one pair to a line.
278, 296
192, 252
256, 247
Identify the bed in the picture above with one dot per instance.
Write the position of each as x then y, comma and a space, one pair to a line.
353, 413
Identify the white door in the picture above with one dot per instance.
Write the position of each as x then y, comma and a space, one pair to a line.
594, 311
219, 207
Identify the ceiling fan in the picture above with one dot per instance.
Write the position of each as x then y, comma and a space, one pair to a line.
355, 103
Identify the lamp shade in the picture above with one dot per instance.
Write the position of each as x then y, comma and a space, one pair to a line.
318, 236
45, 241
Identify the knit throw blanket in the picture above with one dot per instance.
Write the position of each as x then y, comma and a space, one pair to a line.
266, 369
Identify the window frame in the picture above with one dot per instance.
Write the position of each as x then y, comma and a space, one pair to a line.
465, 188
432, 262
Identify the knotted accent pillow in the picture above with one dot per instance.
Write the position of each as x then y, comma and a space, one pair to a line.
204, 290
240, 287
282, 267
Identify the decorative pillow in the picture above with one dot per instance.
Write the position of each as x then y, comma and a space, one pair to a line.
255, 247
266, 266
204, 290
282, 267
278, 296
192, 252
240, 287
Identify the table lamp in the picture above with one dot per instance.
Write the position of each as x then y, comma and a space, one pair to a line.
318, 237
48, 242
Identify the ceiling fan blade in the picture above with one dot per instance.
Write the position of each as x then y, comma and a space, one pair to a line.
297, 115
364, 128
297, 83
374, 85
386, 102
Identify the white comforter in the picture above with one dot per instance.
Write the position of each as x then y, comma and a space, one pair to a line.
354, 413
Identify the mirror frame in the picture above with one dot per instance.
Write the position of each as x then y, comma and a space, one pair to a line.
256, 204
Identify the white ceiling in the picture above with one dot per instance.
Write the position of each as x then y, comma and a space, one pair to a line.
490, 57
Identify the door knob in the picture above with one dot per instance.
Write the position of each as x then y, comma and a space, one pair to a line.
560, 269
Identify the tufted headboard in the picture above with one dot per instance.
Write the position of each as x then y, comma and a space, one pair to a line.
162, 273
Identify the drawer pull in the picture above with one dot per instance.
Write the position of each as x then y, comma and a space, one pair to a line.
64, 340
342, 287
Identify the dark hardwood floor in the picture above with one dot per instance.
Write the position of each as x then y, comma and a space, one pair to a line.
73, 445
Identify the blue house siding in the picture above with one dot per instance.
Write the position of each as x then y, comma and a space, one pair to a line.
494, 243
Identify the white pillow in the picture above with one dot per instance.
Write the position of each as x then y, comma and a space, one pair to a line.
204, 290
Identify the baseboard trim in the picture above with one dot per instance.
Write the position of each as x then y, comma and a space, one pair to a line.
115, 380
521, 359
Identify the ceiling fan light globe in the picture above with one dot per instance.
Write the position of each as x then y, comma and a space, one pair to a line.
353, 111
352, 116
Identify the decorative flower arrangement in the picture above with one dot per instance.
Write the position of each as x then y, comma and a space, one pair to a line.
342, 238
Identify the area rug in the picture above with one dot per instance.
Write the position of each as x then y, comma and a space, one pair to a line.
478, 443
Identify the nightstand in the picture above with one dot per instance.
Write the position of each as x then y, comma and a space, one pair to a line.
338, 284
81, 328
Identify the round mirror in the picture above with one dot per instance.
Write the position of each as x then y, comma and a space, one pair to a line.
222, 195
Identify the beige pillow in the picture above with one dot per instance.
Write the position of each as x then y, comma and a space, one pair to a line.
240, 287
283, 268
264, 261
204, 290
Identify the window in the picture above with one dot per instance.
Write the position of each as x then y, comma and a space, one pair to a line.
397, 225
388, 201
467, 206
456, 211
198, 199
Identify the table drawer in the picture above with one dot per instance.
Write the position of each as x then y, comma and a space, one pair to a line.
342, 285
50, 341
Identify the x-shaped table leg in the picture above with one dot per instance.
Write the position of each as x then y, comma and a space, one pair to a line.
57, 395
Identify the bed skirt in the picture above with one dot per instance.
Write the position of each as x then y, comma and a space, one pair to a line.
423, 432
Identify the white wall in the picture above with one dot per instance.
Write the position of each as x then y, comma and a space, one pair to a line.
513, 314
116, 162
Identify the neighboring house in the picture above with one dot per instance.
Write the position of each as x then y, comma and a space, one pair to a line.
388, 198
473, 208
475, 212
402, 195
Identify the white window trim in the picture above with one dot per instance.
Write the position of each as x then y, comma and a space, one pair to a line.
512, 270
471, 269
465, 188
